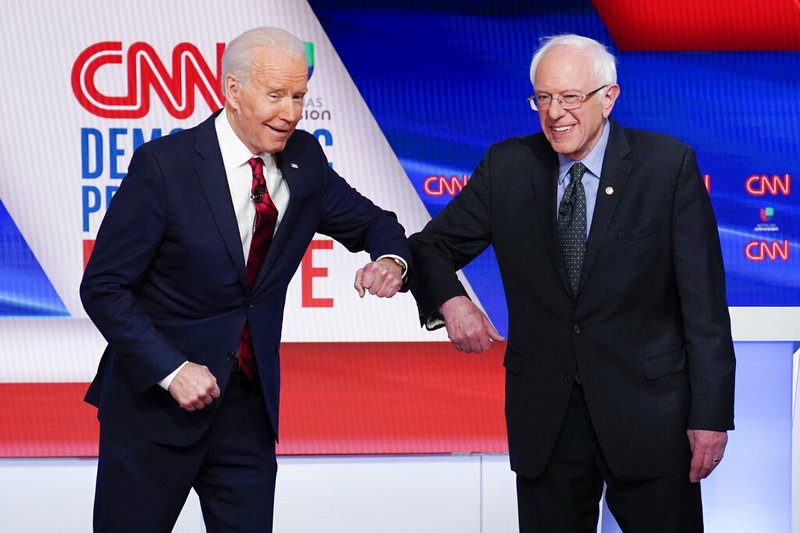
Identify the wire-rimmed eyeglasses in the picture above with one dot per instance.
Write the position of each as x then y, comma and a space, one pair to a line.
568, 101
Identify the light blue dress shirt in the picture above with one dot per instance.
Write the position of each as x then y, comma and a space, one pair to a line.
591, 179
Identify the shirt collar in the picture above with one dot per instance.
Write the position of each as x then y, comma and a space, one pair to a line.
234, 152
593, 160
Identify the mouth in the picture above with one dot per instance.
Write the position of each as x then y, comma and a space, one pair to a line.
280, 132
562, 129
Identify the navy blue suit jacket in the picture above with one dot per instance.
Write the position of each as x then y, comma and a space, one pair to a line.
649, 332
166, 280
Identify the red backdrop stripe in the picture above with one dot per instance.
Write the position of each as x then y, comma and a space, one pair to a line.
688, 25
342, 398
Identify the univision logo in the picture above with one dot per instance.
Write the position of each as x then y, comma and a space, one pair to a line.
766, 214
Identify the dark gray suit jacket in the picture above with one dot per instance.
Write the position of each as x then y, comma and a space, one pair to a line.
649, 332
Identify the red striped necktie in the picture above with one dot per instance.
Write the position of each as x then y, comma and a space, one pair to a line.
263, 228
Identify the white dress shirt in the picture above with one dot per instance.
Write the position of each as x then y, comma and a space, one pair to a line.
235, 157
239, 174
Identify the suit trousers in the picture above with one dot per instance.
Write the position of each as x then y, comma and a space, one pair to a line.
565, 497
142, 486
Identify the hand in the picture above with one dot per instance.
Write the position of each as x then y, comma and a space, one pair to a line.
467, 326
194, 387
383, 278
708, 447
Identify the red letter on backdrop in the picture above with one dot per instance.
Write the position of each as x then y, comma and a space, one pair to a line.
309, 272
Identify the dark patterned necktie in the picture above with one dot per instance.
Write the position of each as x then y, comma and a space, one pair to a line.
572, 225
263, 228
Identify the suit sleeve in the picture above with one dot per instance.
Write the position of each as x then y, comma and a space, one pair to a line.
127, 241
357, 223
700, 279
449, 242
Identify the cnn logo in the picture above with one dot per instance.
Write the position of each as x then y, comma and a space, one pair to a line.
761, 185
761, 250
145, 74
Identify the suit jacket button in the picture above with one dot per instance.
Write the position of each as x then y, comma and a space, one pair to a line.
576, 328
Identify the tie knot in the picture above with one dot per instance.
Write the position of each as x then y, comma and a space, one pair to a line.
257, 164
577, 171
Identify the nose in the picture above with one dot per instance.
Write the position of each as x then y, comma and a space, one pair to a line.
291, 110
555, 110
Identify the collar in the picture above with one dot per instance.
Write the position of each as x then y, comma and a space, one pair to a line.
234, 152
593, 160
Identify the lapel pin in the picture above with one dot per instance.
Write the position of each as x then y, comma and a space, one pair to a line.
609, 190
293, 165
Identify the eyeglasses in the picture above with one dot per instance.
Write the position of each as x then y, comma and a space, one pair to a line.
568, 101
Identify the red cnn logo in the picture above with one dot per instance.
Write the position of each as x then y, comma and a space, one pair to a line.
761, 250
440, 185
760, 185
145, 71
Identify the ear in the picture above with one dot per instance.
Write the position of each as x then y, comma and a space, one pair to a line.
232, 90
609, 99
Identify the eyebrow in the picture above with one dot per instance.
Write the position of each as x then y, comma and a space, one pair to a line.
559, 92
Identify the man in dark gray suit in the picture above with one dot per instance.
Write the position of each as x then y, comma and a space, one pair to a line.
620, 364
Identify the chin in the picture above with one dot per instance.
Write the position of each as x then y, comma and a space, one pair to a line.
275, 148
564, 150
568, 149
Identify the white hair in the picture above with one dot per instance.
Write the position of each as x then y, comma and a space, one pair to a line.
604, 64
238, 56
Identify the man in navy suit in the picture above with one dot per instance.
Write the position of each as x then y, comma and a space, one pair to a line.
171, 286
619, 363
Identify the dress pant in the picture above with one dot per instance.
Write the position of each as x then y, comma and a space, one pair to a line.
142, 486
565, 497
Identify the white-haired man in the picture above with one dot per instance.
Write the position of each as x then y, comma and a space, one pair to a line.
187, 283
619, 363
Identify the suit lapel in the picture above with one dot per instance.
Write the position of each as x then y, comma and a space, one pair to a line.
616, 169
214, 183
545, 184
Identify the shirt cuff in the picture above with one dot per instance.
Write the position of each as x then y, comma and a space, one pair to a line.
434, 323
400, 261
167, 381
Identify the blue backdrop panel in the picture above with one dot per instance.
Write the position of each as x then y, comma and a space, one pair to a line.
24, 287
446, 79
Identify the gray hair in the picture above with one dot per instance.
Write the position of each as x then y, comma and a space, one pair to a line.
604, 64
238, 56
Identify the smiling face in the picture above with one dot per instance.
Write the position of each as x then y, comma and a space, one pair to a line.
573, 133
264, 110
